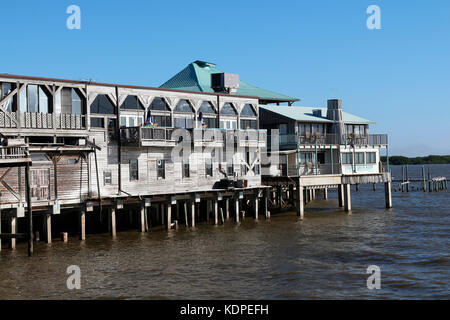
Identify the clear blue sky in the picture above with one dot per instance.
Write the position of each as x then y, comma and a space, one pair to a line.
398, 76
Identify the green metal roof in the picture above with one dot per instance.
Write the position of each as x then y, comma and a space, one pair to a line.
197, 77
306, 114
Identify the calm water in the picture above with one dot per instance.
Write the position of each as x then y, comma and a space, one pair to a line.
324, 256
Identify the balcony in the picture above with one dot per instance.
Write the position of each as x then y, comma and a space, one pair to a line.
147, 136
15, 153
27, 120
292, 141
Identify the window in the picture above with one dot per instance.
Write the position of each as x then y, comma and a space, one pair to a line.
132, 103
209, 122
304, 129
248, 111
230, 169
161, 168
306, 158
34, 99
184, 122
207, 108
134, 170
102, 105
249, 124
183, 106
98, 123
356, 129
347, 158
208, 167
185, 168
131, 121
40, 184
71, 101
162, 121
371, 157
228, 124
244, 169
159, 104
112, 133
359, 157
107, 178
228, 109
5, 90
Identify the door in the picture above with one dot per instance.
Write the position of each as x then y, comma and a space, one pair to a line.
40, 184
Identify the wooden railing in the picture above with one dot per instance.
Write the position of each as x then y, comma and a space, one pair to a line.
30, 120
135, 135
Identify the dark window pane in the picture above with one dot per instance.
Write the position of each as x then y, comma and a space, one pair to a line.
77, 103
228, 109
32, 98
183, 106
43, 101
134, 171
161, 169
102, 105
66, 101
210, 122
248, 111
159, 104
97, 122
207, 108
133, 103
252, 124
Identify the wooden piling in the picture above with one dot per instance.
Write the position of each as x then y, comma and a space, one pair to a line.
266, 203
169, 216
300, 202
256, 207
82, 225
236, 207
193, 205
341, 197
142, 220
186, 220
325, 193
47, 227
407, 179
216, 211
29, 209
388, 194
112, 222
13, 222
347, 198
222, 219
374, 186
424, 184
64, 237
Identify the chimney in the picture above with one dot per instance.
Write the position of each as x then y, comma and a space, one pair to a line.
334, 113
225, 82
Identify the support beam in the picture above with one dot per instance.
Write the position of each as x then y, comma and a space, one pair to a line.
30, 210
193, 212
47, 227
216, 211
341, 195
388, 194
266, 202
144, 227
169, 216
112, 222
256, 206
186, 219
347, 198
82, 225
227, 208
236, 207
13, 231
325, 193
300, 202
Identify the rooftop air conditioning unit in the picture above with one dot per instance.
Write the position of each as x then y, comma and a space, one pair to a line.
317, 113
225, 82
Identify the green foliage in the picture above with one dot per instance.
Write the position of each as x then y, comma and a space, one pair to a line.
399, 160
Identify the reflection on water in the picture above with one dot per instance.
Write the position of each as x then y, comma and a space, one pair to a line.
324, 256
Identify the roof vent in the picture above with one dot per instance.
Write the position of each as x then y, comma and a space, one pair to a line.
225, 82
317, 113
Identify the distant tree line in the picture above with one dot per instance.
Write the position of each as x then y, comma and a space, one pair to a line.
399, 160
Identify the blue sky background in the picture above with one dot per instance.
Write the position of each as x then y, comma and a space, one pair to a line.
314, 50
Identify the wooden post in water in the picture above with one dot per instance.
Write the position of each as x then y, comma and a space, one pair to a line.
227, 208
192, 212
29, 209
186, 219
47, 220
430, 183
374, 186
266, 202
236, 207
347, 197
325, 193
12, 244
256, 206
424, 184
403, 179
142, 220
82, 225
216, 211
407, 179
341, 195
169, 216
112, 222
388, 194
300, 202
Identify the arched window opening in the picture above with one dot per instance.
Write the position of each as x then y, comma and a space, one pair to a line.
35, 99
228, 109
102, 105
159, 104
132, 103
72, 102
248, 111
